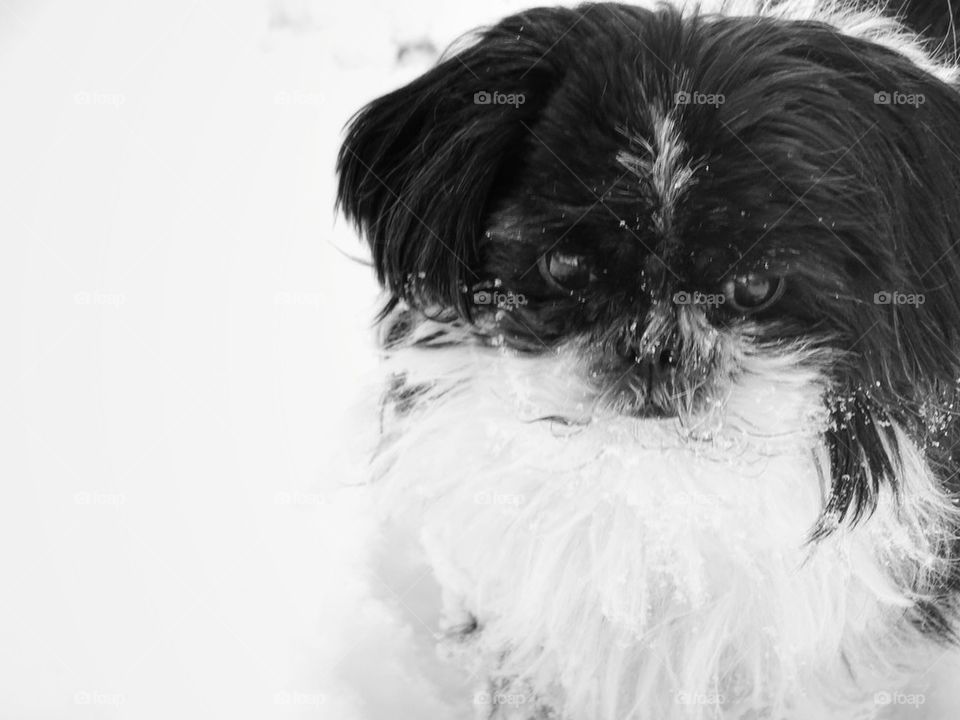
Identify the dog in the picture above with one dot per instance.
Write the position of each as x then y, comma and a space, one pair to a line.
670, 351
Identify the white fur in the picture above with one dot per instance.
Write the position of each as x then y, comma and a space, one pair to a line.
662, 162
642, 569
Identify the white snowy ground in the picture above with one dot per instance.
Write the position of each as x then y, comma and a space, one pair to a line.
183, 337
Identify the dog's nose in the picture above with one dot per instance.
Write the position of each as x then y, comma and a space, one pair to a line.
655, 368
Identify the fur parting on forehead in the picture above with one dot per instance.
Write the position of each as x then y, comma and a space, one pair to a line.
661, 164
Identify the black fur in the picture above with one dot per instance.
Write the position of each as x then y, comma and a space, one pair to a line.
936, 19
799, 173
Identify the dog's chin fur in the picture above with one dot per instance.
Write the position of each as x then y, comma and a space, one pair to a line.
613, 567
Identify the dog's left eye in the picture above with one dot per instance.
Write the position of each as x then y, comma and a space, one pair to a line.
564, 271
752, 292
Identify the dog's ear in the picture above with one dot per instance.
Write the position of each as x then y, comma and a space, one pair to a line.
900, 250
421, 166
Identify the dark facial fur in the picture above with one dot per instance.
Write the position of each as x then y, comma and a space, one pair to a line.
798, 180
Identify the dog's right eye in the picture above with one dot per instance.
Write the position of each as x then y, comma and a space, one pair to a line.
753, 292
564, 271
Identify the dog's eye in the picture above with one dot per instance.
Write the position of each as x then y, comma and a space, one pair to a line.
752, 292
565, 271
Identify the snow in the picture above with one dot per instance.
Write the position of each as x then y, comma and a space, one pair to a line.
185, 338
186, 334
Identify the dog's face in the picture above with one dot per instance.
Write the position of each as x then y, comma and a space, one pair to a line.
671, 194
674, 204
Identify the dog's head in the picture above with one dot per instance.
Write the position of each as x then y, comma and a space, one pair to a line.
673, 196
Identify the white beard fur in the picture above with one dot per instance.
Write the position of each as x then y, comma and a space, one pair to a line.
630, 568
633, 569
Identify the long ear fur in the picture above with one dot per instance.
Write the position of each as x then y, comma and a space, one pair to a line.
421, 167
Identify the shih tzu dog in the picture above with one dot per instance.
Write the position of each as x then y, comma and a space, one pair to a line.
671, 350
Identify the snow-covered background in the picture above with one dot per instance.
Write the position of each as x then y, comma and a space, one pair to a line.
183, 336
